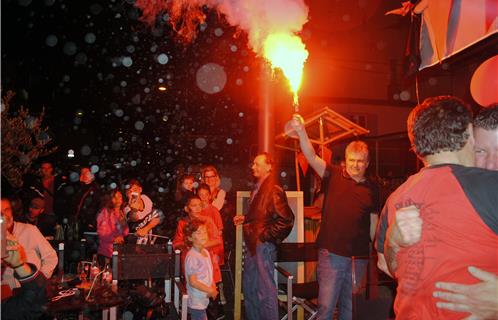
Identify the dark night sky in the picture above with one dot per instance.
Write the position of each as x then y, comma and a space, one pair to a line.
96, 69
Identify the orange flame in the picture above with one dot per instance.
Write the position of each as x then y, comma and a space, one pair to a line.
287, 52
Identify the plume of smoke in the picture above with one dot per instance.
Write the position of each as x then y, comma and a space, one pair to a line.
258, 18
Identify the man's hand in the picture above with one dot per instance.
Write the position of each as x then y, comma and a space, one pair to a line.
407, 227
213, 292
238, 220
480, 299
297, 123
142, 232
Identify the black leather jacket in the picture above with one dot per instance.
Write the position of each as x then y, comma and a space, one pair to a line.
270, 219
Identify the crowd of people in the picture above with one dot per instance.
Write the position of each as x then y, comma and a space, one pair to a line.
437, 234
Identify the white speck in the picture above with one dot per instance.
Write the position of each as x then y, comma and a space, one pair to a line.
74, 176
165, 118
127, 61
95, 168
218, 32
229, 141
119, 112
211, 78
51, 40
70, 48
139, 125
283, 174
133, 163
162, 58
200, 143
90, 38
246, 69
233, 48
405, 95
113, 185
86, 150
241, 114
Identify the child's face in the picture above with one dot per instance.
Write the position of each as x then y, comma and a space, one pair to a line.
199, 238
194, 208
188, 184
205, 195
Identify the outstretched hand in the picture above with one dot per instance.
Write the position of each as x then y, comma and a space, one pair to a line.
480, 299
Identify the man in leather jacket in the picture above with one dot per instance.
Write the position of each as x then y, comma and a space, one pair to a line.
267, 223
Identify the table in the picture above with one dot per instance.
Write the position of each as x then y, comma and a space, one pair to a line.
102, 298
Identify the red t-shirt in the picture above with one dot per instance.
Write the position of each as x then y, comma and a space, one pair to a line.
457, 206
213, 213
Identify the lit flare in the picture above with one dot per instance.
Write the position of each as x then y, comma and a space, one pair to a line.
287, 52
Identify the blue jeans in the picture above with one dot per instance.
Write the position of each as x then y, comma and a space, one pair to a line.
335, 284
260, 292
196, 314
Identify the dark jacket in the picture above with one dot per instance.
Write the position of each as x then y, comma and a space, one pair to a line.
270, 219
28, 302
86, 204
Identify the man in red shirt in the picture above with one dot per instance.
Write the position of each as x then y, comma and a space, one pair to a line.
457, 204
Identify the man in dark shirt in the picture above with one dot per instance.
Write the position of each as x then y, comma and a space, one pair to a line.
35, 216
349, 217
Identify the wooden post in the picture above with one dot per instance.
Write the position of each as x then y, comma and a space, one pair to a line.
237, 308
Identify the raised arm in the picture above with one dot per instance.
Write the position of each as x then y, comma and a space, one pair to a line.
317, 163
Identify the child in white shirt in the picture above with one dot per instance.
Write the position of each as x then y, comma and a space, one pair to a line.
198, 270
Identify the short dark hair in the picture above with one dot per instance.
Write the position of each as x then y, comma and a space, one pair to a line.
190, 198
191, 227
203, 186
134, 182
487, 118
439, 124
106, 200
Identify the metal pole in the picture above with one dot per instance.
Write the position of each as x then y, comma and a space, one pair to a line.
266, 123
